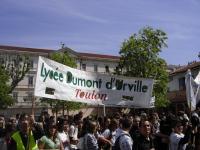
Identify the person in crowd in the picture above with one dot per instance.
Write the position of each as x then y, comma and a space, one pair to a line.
10, 129
50, 139
73, 133
113, 127
78, 116
144, 141
62, 135
177, 138
17, 116
90, 140
109, 133
124, 140
143, 116
119, 129
134, 132
24, 137
194, 139
80, 127
155, 122
103, 138
161, 139
66, 127
197, 138
2, 133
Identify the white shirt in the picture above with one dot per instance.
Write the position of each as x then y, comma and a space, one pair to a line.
73, 132
125, 141
106, 133
113, 138
118, 132
62, 136
174, 140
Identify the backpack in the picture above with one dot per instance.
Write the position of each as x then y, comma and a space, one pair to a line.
117, 144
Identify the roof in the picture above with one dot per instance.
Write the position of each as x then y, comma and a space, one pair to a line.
25, 49
80, 54
191, 66
91, 55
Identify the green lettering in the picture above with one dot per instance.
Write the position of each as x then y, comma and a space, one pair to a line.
69, 77
89, 83
61, 77
41, 73
51, 74
46, 74
56, 76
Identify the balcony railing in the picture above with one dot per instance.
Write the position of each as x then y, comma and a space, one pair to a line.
177, 96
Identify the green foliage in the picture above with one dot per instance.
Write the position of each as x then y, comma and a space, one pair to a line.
13, 68
16, 67
5, 99
140, 58
63, 58
57, 105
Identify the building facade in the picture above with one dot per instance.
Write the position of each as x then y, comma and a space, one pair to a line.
176, 86
23, 94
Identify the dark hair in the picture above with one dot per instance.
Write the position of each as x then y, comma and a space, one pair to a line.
142, 122
176, 123
23, 116
195, 120
91, 126
126, 123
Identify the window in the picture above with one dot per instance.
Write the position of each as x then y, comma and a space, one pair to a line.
107, 69
95, 68
84, 67
182, 83
31, 63
25, 98
15, 96
30, 80
30, 96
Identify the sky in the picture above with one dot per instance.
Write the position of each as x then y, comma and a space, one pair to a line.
100, 26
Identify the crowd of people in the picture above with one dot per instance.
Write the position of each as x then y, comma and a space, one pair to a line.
139, 131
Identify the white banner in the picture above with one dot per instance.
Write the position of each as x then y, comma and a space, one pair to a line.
57, 81
192, 90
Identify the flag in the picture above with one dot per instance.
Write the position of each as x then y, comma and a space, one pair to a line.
192, 90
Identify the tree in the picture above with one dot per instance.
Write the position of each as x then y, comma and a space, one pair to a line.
63, 58
5, 99
66, 59
13, 68
16, 67
140, 58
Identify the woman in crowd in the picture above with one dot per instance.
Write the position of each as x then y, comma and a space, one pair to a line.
62, 135
50, 139
90, 141
144, 141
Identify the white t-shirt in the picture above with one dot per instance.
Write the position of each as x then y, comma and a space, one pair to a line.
106, 133
125, 141
62, 136
118, 132
73, 132
174, 140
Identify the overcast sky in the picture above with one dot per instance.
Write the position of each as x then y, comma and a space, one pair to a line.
100, 26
